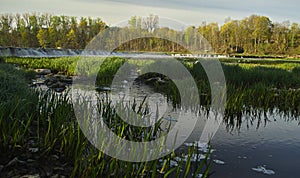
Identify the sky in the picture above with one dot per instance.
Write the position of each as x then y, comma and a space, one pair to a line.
191, 12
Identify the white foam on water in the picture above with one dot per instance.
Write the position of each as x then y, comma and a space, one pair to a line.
189, 144
218, 161
263, 170
194, 158
201, 146
198, 175
198, 144
173, 163
240, 157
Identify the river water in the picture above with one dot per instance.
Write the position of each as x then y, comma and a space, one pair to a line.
275, 146
270, 150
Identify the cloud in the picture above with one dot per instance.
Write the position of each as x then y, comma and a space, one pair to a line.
191, 12
216, 10
238, 5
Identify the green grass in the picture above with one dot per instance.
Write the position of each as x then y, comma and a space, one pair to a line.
63, 64
17, 106
255, 89
47, 118
256, 84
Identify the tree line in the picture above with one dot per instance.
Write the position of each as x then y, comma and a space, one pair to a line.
48, 31
251, 35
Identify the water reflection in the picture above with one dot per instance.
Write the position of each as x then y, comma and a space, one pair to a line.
260, 125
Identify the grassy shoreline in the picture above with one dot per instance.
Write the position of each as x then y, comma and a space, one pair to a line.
41, 125
40, 136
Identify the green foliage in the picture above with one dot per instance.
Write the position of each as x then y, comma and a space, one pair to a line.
272, 81
108, 69
63, 64
255, 35
254, 88
42, 36
17, 107
48, 119
45, 30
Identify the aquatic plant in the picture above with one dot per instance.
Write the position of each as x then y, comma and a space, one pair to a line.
44, 121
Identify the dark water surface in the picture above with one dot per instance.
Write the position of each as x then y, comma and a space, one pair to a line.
274, 145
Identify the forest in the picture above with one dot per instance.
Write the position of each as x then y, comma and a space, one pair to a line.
253, 35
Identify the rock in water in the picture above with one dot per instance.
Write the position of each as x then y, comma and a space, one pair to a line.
31, 176
42, 71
